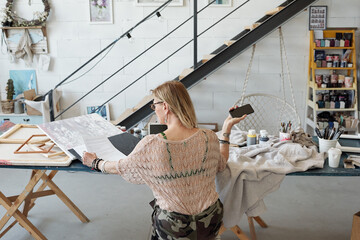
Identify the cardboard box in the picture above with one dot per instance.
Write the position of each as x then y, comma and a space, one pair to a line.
31, 95
355, 233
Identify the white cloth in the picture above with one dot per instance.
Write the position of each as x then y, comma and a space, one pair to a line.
23, 49
253, 172
43, 106
44, 62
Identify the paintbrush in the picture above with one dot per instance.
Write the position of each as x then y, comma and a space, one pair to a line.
318, 133
331, 134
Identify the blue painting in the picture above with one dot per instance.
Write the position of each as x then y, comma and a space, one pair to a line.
23, 80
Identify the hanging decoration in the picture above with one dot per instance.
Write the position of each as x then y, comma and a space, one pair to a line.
13, 20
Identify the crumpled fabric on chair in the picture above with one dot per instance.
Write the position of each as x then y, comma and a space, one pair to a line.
24, 48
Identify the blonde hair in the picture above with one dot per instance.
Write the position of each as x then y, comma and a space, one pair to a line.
177, 97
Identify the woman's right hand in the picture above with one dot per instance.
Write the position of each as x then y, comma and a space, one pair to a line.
88, 158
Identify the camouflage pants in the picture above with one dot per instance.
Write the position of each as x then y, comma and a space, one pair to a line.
171, 225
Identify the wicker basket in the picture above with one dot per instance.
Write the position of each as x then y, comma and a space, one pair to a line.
7, 106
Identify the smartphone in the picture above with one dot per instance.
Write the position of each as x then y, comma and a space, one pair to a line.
240, 111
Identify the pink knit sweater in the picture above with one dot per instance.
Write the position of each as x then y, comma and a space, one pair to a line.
181, 174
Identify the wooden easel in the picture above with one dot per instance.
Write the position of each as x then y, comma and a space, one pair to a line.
37, 147
240, 234
28, 195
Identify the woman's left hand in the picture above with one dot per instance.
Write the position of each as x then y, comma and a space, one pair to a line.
88, 158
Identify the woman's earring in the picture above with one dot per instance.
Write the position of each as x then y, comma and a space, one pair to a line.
165, 118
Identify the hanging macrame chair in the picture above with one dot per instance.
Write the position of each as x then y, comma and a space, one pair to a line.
270, 110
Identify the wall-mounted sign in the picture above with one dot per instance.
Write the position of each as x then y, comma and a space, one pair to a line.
317, 17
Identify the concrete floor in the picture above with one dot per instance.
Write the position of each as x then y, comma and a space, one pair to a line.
303, 208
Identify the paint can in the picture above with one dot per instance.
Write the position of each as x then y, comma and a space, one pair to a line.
343, 63
263, 137
318, 79
348, 82
341, 80
251, 137
334, 80
329, 58
326, 80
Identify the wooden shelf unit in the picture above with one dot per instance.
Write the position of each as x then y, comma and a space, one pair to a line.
312, 109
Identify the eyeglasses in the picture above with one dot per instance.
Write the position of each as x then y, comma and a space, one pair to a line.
154, 104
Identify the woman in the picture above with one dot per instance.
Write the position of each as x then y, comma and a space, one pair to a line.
179, 165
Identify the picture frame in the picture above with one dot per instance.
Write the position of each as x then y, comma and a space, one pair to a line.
157, 3
101, 11
219, 3
103, 112
23, 80
317, 17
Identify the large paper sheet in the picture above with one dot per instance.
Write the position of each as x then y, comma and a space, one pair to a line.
68, 134
103, 148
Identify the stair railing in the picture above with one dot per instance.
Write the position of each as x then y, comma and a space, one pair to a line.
50, 93
157, 42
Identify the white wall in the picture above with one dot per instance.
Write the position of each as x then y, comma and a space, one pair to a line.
73, 40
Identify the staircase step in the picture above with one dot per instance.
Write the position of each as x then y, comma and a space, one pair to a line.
263, 19
207, 58
228, 43
274, 11
130, 111
144, 101
186, 72
240, 35
123, 116
253, 26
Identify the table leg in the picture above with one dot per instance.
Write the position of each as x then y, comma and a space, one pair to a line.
27, 202
21, 218
239, 233
260, 222
237, 230
10, 212
28, 196
42, 187
222, 229
252, 228
64, 198
8, 228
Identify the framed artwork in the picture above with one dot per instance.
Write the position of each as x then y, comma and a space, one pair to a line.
103, 111
157, 3
219, 3
317, 17
23, 80
101, 11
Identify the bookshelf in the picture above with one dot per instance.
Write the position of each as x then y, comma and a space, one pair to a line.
332, 80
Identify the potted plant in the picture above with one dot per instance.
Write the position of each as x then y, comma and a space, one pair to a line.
8, 105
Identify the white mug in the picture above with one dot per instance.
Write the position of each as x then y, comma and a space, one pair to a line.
334, 155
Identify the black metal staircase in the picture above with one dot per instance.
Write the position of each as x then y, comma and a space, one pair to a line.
200, 70
226, 53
